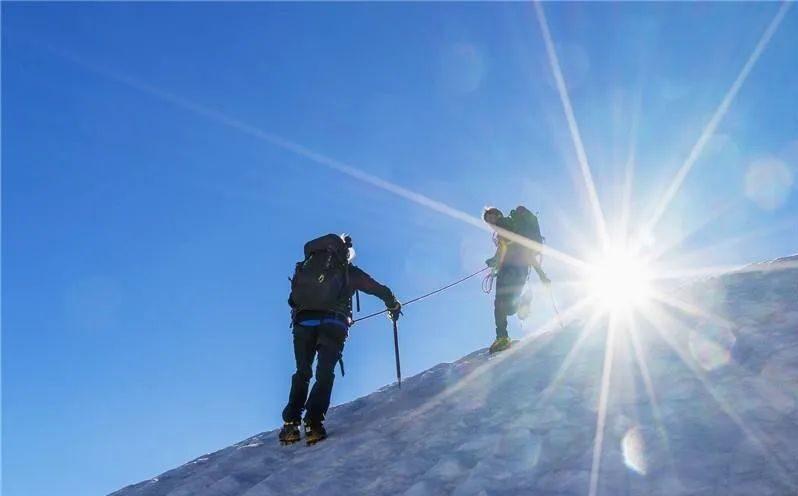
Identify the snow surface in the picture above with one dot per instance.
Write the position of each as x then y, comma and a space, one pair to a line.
723, 419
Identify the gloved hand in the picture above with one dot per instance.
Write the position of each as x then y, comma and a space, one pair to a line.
545, 280
395, 310
491, 262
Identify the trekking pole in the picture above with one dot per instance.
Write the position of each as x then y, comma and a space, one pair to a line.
556, 310
396, 352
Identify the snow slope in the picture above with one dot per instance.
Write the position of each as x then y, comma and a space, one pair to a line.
713, 412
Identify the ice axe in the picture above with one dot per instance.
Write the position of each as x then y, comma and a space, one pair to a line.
396, 352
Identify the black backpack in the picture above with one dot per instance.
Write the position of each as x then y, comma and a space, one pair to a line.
526, 224
322, 279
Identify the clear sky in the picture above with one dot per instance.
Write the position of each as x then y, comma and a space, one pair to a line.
149, 226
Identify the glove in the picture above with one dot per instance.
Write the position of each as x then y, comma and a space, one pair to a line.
491, 262
395, 310
545, 280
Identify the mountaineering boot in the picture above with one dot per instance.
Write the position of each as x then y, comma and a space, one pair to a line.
289, 434
314, 432
500, 344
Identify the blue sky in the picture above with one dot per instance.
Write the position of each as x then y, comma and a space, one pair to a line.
147, 241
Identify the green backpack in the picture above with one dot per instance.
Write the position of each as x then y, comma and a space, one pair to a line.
526, 224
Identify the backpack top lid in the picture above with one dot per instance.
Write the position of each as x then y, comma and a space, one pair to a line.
521, 211
330, 243
525, 223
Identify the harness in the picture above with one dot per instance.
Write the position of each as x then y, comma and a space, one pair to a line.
324, 321
329, 321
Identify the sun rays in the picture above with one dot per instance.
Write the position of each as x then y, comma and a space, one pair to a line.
604, 394
573, 128
717, 116
620, 282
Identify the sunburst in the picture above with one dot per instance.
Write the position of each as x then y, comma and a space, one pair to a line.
618, 280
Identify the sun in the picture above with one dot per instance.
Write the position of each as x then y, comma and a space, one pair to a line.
619, 280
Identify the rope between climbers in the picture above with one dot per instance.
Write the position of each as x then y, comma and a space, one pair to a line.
427, 295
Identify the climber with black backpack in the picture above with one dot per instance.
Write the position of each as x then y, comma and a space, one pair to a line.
511, 265
321, 313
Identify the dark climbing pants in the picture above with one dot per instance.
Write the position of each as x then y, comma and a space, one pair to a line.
510, 283
326, 341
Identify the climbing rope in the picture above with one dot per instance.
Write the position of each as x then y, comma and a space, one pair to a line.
419, 298
487, 283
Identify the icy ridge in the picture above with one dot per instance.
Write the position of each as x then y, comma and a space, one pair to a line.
714, 410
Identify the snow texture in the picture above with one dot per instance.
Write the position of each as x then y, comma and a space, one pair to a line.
722, 420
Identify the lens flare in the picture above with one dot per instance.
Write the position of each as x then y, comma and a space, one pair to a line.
620, 280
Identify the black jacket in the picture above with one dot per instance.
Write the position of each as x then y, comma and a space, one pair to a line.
359, 280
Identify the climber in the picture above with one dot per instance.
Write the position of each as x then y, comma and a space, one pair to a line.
511, 264
321, 313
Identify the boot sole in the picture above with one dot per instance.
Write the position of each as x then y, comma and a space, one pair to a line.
311, 442
504, 348
493, 352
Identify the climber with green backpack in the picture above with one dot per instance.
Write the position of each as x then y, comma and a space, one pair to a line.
511, 264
